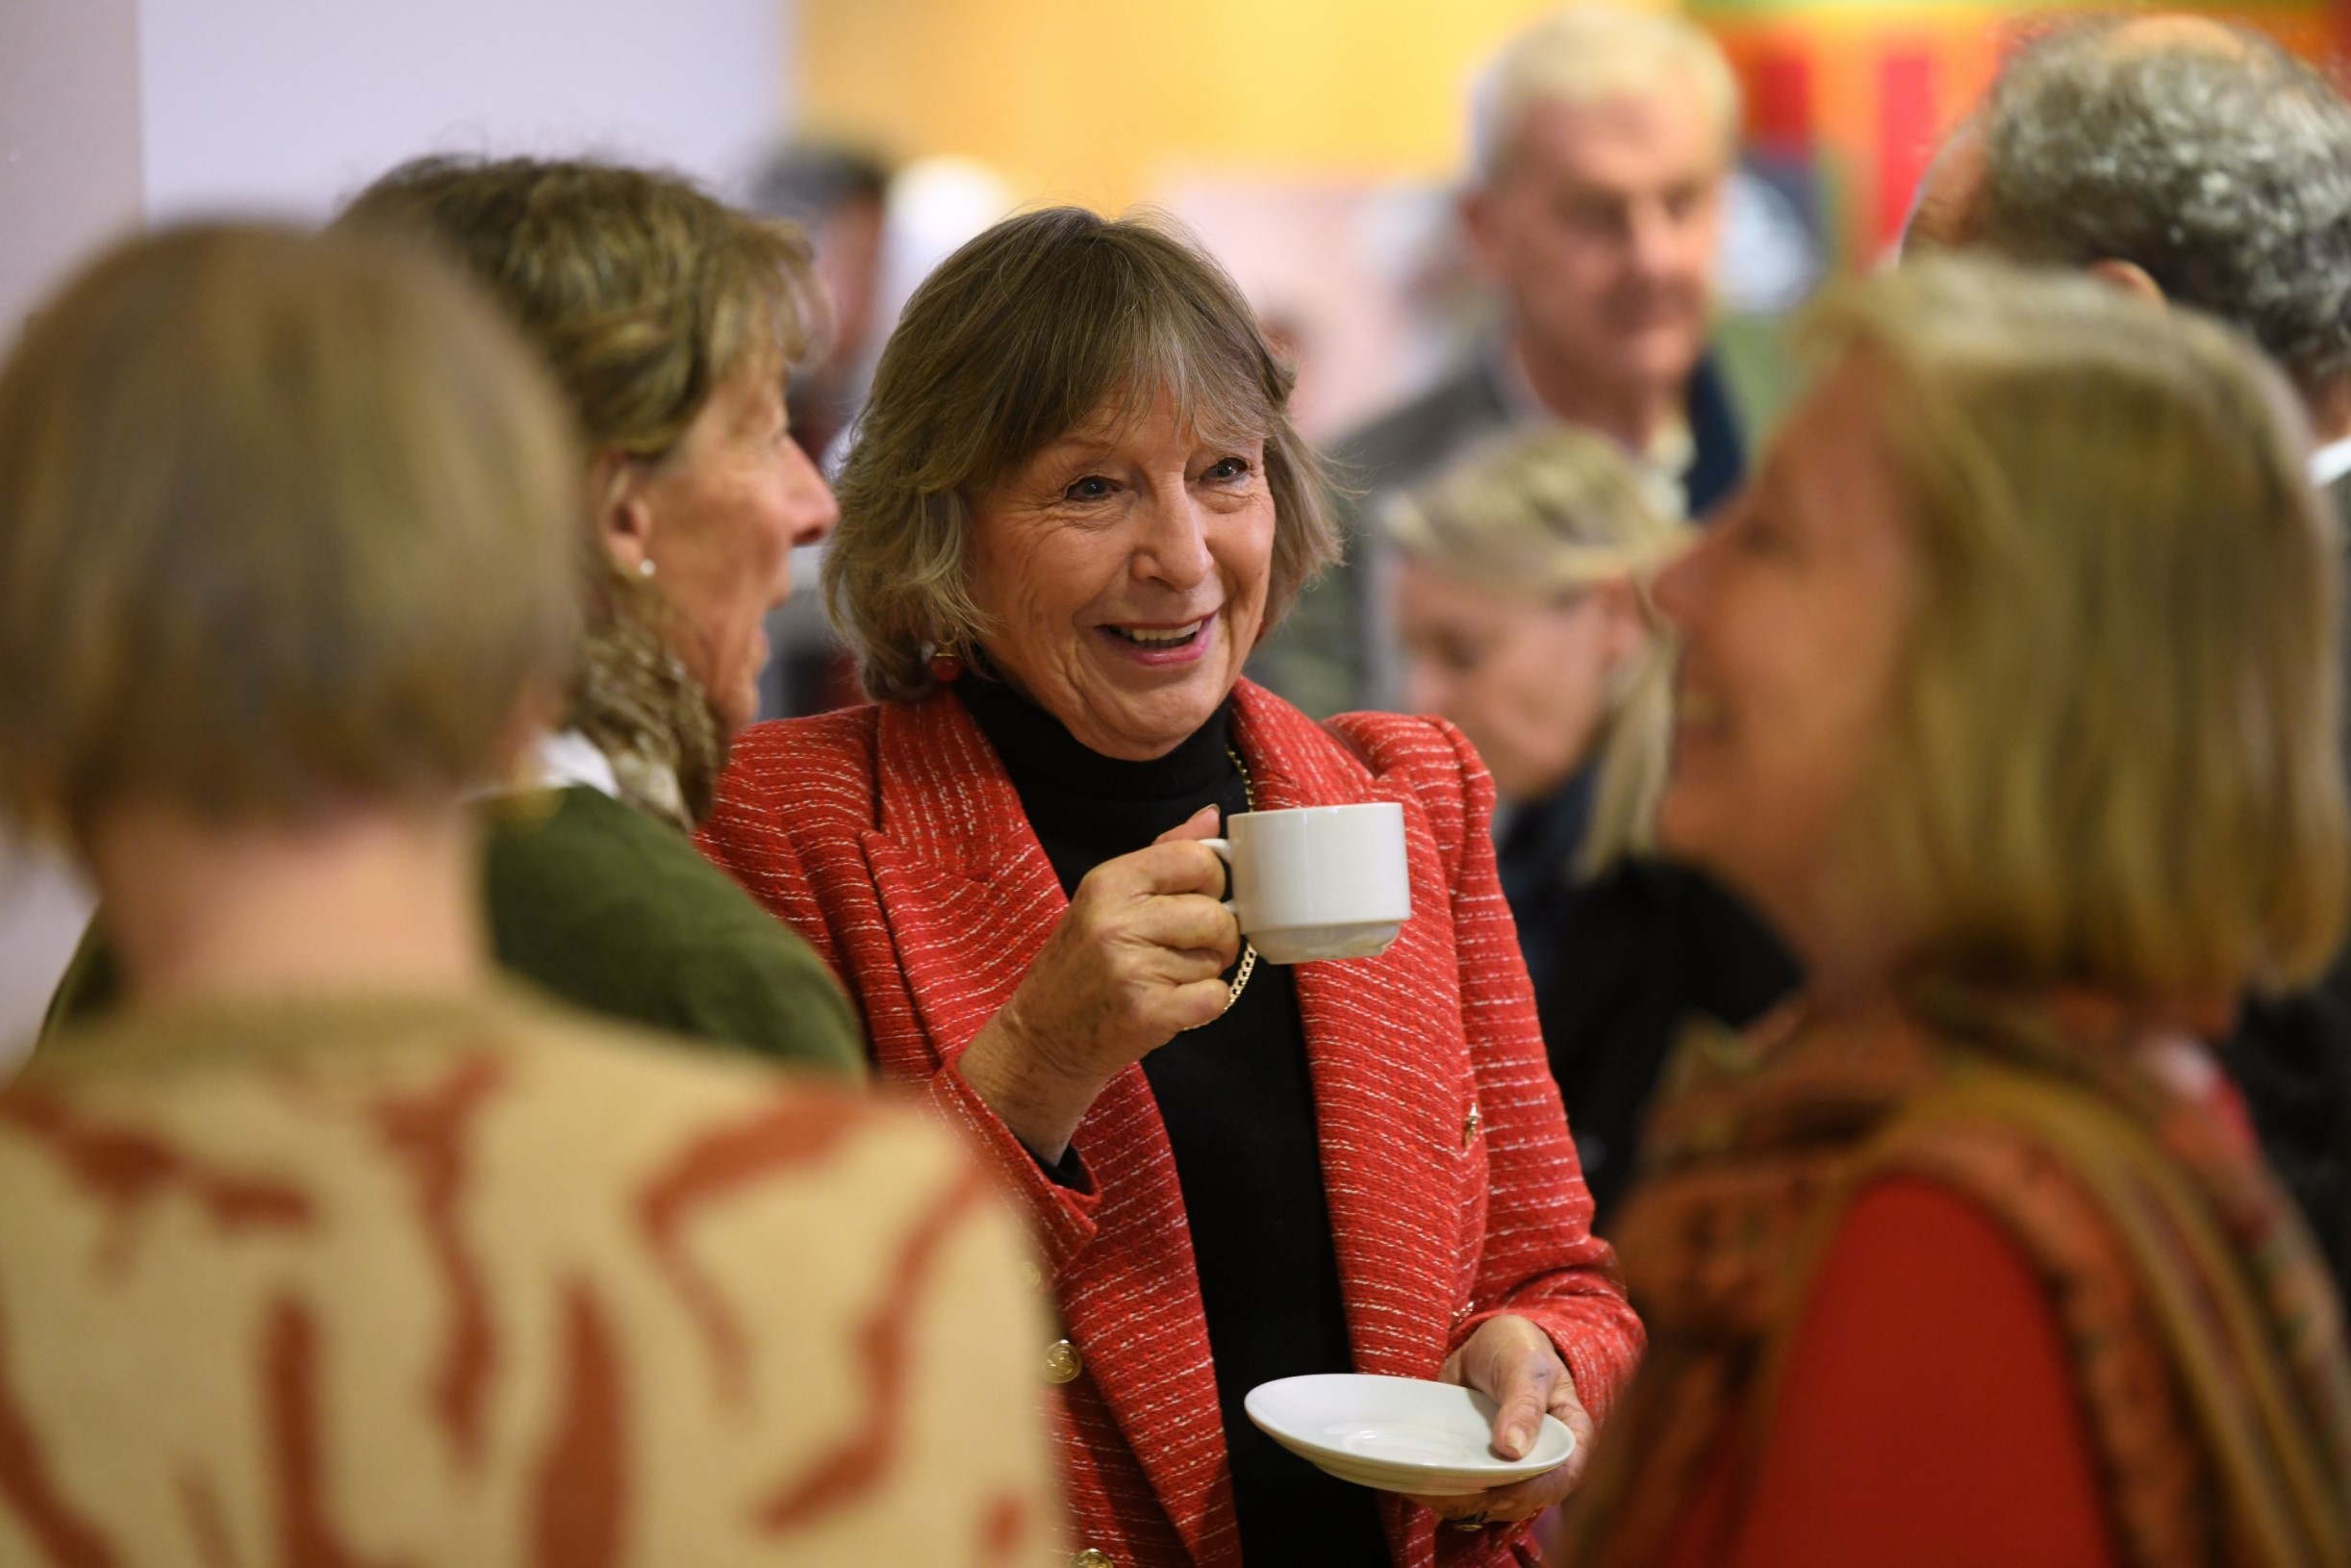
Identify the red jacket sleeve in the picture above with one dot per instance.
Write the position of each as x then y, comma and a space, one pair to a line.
786, 826
1064, 1220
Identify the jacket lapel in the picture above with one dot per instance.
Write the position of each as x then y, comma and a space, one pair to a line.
967, 893
1392, 1080
969, 899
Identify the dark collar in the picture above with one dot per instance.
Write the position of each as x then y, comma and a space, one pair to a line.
1718, 459
1044, 759
1540, 843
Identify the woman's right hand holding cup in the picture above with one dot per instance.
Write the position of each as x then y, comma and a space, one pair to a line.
1138, 959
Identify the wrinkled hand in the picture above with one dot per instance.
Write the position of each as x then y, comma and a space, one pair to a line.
1136, 961
1514, 1363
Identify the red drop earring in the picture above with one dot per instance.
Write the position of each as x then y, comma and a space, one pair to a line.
946, 667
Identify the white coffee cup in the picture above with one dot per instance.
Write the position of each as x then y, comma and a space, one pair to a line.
1319, 882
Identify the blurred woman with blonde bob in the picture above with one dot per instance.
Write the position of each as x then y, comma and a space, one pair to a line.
2008, 696
327, 1245
1519, 600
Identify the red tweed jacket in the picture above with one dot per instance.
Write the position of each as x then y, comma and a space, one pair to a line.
891, 838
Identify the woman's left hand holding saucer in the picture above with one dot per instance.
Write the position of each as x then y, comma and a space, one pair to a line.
1514, 1363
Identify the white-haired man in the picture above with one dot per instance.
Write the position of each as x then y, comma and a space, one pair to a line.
1602, 138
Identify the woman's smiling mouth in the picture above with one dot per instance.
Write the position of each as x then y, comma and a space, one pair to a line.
1163, 644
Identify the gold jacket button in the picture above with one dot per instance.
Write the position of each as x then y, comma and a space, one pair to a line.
1470, 1126
1091, 1559
1063, 1364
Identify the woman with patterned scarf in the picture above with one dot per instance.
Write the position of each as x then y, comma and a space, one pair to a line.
2008, 696
670, 320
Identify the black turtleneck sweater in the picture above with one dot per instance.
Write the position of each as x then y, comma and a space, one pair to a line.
1239, 1108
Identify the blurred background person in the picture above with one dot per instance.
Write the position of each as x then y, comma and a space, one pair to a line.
2010, 695
2192, 161
671, 321
839, 197
1075, 499
1602, 141
327, 1238
1518, 603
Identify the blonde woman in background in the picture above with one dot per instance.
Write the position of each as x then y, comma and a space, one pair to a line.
327, 1245
1518, 597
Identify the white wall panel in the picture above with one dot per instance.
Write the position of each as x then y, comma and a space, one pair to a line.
291, 105
69, 181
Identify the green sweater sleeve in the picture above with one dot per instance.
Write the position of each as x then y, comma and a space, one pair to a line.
775, 999
612, 912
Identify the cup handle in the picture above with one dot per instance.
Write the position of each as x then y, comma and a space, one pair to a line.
1223, 852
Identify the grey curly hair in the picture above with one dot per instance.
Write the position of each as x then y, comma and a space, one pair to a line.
2204, 154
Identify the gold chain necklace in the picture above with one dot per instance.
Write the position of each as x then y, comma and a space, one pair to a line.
1249, 949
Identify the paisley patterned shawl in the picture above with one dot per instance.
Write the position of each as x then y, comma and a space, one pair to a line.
2204, 1333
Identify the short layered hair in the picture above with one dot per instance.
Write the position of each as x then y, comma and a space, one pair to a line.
285, 520
1046, 323
2115, 758
2206, 154
1585, 53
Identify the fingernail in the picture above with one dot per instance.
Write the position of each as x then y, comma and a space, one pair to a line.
1516, 1438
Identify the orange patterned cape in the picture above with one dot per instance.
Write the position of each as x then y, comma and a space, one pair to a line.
2206, 1337
468, 1280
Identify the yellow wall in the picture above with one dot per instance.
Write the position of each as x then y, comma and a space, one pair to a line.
1105, 102
1092, 100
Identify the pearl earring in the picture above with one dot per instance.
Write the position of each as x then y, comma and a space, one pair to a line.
645, 568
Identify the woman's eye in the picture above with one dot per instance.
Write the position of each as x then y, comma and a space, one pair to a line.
1226, 470
1092, 487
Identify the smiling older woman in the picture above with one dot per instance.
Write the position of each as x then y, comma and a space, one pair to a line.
1077, 504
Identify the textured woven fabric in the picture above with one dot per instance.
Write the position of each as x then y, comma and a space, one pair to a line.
471, 1283
2206, 1345
891, 838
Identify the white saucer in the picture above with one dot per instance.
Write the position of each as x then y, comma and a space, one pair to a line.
1399, 1435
